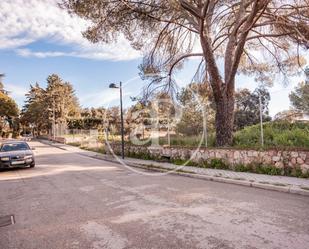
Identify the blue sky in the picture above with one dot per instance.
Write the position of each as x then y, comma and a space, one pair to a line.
38, 39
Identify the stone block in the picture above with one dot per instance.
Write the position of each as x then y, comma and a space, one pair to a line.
267, 159
299, 161
276, 158
279, 165
303, 156
294, 154
304, 167
255, 153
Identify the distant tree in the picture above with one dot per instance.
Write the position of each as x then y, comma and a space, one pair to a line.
92, 118
300, 96
57, 101
1, 84
247, 110
61, 97
8, 109
138, 119
113, 121
235, 31
35, 112
288, 115
194, 98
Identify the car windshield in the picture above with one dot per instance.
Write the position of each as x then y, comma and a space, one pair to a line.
14, 147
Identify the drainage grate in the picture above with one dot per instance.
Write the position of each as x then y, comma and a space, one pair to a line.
7, 220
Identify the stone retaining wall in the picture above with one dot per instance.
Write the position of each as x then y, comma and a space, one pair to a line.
279, 159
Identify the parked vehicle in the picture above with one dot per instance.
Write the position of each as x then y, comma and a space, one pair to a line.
16, 154
27, 137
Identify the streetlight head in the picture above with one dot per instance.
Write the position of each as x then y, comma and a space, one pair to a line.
113, 85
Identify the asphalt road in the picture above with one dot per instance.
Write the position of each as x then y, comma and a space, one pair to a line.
71, 201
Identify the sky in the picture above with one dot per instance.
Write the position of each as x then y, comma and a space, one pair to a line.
37, 38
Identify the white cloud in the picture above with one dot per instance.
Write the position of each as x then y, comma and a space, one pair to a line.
16, 91
26, 21
28, 53
107, 98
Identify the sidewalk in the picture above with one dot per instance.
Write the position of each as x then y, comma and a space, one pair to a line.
278, 183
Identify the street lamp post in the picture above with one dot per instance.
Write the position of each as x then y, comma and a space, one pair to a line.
261, 119
113, 85
54, 120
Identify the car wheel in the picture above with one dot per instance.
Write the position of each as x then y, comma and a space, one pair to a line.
32, 165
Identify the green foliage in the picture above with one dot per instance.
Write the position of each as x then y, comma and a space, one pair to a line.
297, 172
57, 101
190, 141
300, 96
217, 163
76, 144
243, 168
279, 134
8, 107
267, 169
247, 111
194, 98
140, 155
166, 32
178, 161
8, 115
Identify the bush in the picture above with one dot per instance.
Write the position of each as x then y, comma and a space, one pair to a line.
191, 141
242, 168
177, 161
296, 172
218, 164
278, 134
77, 144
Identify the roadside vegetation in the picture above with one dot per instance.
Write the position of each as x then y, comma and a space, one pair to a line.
215, 163
228, 34
277, 134
9, 121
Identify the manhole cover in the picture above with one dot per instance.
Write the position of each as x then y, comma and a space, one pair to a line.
7, 220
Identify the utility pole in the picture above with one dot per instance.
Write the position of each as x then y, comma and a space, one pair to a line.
54, 120
122, 125
168, 131
205, 126
261, 120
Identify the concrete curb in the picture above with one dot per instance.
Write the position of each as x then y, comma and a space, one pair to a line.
285, 189
267, 186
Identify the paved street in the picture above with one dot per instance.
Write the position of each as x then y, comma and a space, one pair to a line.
72, 201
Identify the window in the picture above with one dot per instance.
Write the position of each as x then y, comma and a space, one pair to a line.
14, 147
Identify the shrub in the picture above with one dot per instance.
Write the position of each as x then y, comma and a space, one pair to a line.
265, 169
192, 163
77, 144
297, 172
218, 164
191, 141
276, 134
241, 168
177, 161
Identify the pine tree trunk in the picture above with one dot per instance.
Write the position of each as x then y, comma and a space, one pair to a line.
224, 121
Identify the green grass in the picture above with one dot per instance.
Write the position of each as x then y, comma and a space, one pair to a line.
216, 163
278, 134
76, 144
189, 141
